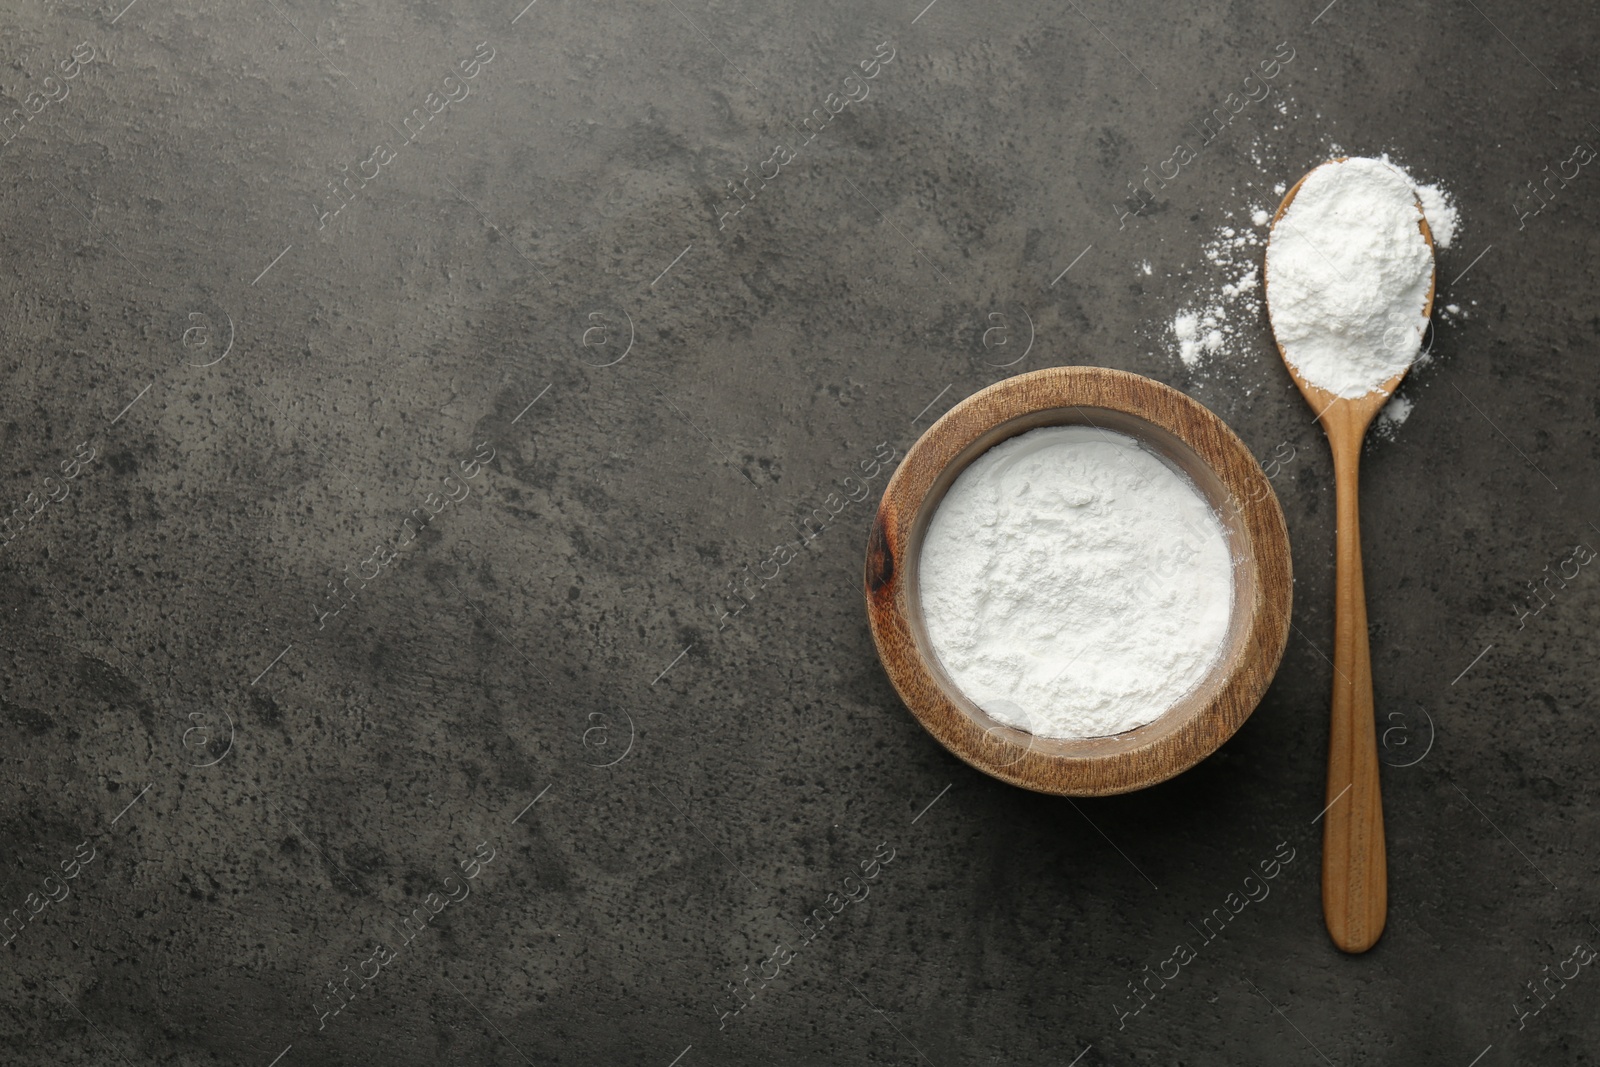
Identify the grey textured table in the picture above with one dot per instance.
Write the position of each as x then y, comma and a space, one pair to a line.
401, 402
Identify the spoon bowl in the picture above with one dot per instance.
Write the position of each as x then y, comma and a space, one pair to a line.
1365, 408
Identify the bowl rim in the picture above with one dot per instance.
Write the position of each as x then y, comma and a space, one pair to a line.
1197, 725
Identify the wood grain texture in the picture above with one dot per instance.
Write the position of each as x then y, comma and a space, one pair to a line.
1219, 464
1355, 866
1355, 878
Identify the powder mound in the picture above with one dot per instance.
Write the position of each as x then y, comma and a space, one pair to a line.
1073, 584
1348, 274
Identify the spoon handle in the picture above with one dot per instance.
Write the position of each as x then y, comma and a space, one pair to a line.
1355, 890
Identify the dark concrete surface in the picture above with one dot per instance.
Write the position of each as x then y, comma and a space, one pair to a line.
229, 389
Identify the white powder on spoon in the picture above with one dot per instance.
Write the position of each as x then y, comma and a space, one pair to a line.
1073, 584
1348, 276
1221, 306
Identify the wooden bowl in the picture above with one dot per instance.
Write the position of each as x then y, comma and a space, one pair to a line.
1192, 439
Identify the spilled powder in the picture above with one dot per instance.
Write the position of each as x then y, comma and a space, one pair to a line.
1392, 417
1349, 274
1073, 584
1208, 327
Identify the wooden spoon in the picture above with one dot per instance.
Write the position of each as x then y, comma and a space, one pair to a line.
1355, 890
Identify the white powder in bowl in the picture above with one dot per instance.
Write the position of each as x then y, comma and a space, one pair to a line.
1348, 273
1074, 584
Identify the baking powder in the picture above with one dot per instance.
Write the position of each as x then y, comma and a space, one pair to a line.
1348, 276
1074, 584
